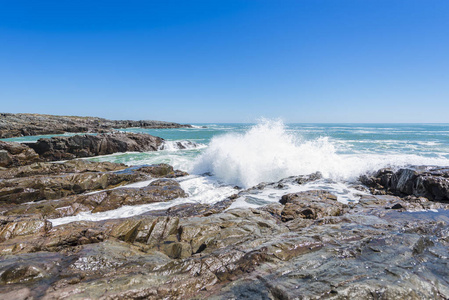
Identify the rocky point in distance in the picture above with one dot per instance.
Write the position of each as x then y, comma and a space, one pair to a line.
15, 125
392, 244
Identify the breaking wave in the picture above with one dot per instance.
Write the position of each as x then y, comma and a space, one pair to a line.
267, 153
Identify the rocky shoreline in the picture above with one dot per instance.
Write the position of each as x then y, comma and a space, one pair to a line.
392, 244
16, 125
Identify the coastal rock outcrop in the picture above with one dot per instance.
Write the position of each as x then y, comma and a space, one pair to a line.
419, 181
368, 250
15, 125
57, 182
62, 148
310, 205
16, 154
303, 245
65, 183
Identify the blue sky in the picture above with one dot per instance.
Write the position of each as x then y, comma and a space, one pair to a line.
227, 61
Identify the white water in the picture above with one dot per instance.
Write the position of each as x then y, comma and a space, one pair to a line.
268, 153
201, 190
179, 145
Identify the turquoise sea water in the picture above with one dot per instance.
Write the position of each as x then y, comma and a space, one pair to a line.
423, 139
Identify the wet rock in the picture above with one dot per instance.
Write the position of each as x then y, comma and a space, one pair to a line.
188, 210
72, 166
5, 159
10, 227
310, 205
41, 187
21, 274
62, 148
162, 170
21, 294
419, 181
116, 198
384, 247
100, 201
16, 154
127, 231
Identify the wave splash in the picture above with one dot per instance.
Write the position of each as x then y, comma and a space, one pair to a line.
179, 145
268, 152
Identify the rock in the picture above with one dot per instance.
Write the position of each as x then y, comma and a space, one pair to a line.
5, 159
384, 247
419, 181
62, 148
310, 205
12, 228
21, 273
162, 170
98, 202
116, 198
16, 154
72, 166
13, 125
41, 187
21, 294
61, 182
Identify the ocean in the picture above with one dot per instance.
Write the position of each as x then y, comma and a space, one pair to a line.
224, 158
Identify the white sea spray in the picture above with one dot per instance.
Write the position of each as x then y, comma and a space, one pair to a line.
268, 152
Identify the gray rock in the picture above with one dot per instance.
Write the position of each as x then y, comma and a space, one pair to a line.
419, 181
14, 125
62, 148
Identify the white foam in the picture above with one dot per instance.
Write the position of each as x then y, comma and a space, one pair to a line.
201, 189
268, 153
180, 145
344, 192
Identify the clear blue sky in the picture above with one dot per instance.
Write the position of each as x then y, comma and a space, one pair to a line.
227, 61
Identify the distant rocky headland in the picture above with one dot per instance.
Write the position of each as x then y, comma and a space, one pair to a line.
16, 125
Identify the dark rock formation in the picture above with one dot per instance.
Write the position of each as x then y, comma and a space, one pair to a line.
369, 251
310, 205
161, 170
15, 154
306, 246
64, 182
62, 148
421, 181
51, 169
14, 125
57, 185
